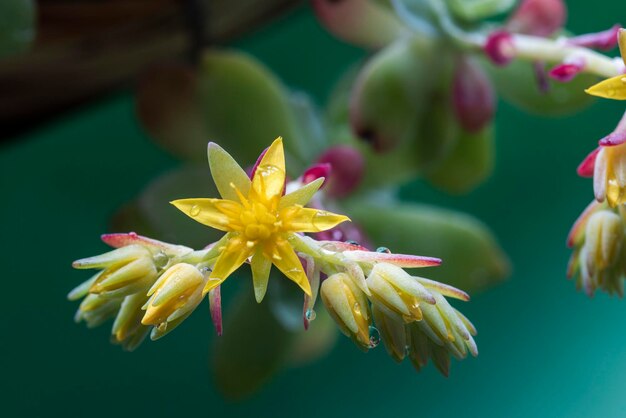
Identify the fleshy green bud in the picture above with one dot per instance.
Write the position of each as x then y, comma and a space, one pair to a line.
392, 332
348, 306
175, 294
95, 310
397, 293
603, 239
127, 270
127, 328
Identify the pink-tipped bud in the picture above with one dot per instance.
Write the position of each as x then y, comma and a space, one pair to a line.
567, 71
315, 172
605, 40
499, 47
473, 97
538, 17
347, 165
215, 303
586, 167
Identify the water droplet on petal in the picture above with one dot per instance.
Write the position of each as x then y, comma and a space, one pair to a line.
195, 210
310, 314
356, 308
383, 250
162, 326
161, 259
205, 270
352, 242
374, 337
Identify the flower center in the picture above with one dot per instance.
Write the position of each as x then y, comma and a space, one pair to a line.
259, 223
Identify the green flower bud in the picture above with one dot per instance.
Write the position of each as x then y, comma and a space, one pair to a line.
348, 306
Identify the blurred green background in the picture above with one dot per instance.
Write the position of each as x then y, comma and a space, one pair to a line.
545, 350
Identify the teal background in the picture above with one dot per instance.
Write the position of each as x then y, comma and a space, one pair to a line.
545, 350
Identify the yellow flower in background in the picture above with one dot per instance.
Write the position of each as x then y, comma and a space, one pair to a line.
258, 220
614, 87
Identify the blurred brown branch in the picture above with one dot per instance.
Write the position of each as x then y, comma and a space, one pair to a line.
84, 48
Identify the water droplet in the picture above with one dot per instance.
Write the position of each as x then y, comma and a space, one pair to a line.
162, 326
161, 259
356, 308
374, 337
352, 242
383, 250
205, 270
195, 210
310, 314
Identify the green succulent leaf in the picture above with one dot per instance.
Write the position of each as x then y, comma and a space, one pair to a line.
17, 26
472, 259
153, 215
252, 349
469, 164
245, 106
473, 10
517, 83
392, 91
231, 99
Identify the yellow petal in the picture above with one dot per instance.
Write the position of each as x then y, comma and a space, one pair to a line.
216, 213
302, 195
299, 219
261, 267
611, 88
285, 258
269, 178
231, 258
226, 171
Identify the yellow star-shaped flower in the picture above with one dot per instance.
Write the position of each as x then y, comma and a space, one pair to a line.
257, 218
614, 87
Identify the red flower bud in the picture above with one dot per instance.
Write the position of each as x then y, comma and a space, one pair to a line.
538, 17
347, 168
473, 97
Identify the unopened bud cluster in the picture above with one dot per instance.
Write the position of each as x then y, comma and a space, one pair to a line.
598, 260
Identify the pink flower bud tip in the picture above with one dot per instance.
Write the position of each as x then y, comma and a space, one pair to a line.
538, 17
473, 97
566, 72
322, 170
499, 47
586, 167
605, 40
347, 168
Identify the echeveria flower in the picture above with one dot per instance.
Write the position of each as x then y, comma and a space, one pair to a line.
258, 220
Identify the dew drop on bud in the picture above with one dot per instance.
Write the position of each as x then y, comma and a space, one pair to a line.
161, 259
195, 210
310, 315
374, 337
383, 250
163, 326
356, 308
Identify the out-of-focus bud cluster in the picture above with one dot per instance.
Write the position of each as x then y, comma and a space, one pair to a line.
143, 284
408, 313
599, 259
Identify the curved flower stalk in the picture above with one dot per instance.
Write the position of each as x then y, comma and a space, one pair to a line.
147, 284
